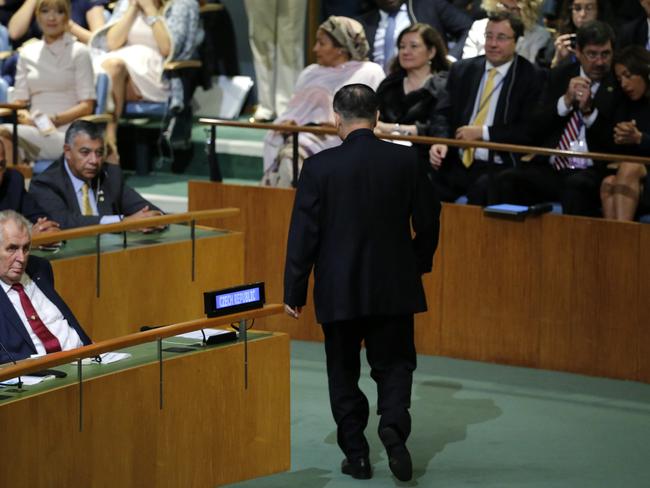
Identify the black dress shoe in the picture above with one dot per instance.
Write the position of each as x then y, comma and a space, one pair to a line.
359, 468
399, 459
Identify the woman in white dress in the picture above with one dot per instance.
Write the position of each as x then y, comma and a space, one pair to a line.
132, 49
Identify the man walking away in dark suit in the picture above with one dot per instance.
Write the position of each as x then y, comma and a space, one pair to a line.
33, 317
351, 222
78, 189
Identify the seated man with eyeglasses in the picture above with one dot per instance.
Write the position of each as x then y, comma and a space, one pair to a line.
14, 197
575, 113
488, 98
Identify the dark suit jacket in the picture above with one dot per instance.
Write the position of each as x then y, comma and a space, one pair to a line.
550, 125
633, 33
451, 22
53, 190
13, 334
351, 221
14, 197
519, 95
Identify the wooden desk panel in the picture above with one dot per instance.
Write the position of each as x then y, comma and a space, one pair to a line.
210, 432
554, 292
148, 285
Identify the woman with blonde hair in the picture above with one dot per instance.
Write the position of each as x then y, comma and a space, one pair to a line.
141, 36
54, 77
536, 45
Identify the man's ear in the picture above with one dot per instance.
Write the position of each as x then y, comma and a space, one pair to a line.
337, 120
376, 118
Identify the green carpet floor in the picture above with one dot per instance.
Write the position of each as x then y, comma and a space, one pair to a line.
477, 424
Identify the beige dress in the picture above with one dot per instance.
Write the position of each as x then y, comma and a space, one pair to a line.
143, 61
53, 78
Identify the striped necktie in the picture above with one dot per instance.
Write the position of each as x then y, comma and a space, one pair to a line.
570, 134
481, 115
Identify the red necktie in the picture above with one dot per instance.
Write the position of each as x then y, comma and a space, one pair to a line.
571, 133
50, 342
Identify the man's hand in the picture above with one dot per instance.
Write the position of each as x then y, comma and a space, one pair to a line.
470, 133
45, 225
579, 91
293, 312
145, 213
436, 154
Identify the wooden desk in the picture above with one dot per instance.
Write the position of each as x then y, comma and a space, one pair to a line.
211, 429
553, 292
149, 282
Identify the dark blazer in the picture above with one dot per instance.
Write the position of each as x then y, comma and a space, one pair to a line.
352, 220
13, 335
14, 197
633, 33
550, 125
451, 22
519, 95
53, 190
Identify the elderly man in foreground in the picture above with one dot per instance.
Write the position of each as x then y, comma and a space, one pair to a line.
34, 318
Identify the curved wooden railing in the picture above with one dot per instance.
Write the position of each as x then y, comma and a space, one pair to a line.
26, 366
126, 225
215, 173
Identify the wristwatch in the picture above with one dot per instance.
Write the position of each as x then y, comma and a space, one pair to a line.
150, 20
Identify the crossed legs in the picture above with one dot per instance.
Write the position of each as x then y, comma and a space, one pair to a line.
620, 193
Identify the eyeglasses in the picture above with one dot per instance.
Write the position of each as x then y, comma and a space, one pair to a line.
590, 7
499, 38
594, 55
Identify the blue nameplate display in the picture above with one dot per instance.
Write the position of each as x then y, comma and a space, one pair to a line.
235, 299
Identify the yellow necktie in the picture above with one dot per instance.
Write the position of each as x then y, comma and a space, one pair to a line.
484, 108
86, 209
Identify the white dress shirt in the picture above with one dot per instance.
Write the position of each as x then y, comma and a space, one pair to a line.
50, 315
563, 110
402, 21
77, 185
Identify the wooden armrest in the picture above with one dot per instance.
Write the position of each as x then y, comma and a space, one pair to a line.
14, 106
98, 118
5, 112
176, 65
210, 7
5, 54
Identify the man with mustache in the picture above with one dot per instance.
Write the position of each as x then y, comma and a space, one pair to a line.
575, 113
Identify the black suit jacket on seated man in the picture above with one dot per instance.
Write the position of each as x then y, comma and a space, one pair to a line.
13, 196
54, 191
512, 124
13, 334
576, 189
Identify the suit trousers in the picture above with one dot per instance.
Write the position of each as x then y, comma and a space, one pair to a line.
454, 180
390, 350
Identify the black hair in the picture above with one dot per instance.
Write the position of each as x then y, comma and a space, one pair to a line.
595, 33
566, 25
356, 101
92, 130
516, 24
637, 61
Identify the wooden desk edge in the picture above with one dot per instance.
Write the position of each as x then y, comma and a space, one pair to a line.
93, 230
27, 366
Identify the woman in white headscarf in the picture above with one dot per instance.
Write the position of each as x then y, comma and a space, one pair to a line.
341, 51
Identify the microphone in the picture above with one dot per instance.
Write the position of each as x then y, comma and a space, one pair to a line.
13, 360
